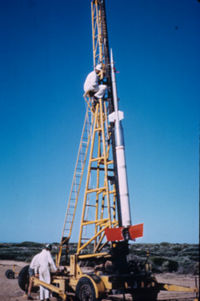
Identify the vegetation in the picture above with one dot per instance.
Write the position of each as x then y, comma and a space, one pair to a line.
164, 257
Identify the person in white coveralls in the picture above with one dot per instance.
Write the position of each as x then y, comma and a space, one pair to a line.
92, 86
33, 271
45, 265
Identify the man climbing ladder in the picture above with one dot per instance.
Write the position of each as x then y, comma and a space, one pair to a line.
92, 86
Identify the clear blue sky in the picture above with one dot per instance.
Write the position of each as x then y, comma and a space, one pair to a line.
45, 55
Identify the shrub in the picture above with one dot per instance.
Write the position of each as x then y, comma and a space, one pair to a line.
158, 260
172, 266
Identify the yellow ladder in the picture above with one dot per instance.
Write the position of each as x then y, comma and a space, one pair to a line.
77, 177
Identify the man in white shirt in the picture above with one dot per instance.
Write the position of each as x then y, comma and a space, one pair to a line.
91, 85
45, 265
33, 270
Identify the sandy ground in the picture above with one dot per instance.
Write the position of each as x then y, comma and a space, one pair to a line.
10, 291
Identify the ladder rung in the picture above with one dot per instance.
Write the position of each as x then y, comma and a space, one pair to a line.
97, 159
84, 141
100, 189
70, 213
101, 168
98, 129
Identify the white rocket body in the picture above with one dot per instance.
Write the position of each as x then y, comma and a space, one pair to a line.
116, 117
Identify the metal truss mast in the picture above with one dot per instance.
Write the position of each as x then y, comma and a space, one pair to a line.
100, 208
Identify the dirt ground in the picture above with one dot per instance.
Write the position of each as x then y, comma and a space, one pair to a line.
10, 291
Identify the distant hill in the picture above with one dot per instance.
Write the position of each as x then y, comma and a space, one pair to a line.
164, 257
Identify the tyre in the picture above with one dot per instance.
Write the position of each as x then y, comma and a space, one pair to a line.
85, 290
10, 274
23, 278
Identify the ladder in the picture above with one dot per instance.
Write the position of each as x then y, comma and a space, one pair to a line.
77, 176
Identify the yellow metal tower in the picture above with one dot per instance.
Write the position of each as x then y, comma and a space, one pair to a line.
99, 205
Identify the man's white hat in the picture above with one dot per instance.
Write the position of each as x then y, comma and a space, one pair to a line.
98, 67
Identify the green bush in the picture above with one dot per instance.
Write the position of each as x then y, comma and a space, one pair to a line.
158, 260
29, 244
165, 244
172, 266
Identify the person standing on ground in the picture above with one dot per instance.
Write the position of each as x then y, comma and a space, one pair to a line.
45, 265
32, 271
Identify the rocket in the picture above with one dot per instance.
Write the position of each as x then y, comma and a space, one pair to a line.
126, 230
117, 116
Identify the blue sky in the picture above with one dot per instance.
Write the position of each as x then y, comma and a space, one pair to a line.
45, 55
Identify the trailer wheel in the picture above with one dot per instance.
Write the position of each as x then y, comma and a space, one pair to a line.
23, 278
10, 274
85, 290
